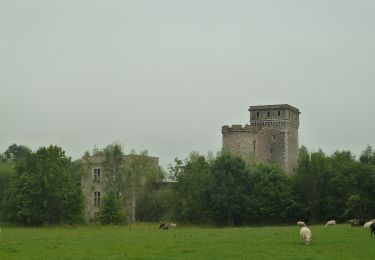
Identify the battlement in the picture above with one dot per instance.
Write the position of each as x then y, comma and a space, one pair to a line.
239, 128
271, 136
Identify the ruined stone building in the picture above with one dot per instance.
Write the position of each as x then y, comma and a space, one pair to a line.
92, 184
271, 136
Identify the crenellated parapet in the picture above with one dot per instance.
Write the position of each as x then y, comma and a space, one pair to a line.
240, 128
271, 136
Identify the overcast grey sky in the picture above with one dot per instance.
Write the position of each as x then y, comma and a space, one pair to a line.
166, 75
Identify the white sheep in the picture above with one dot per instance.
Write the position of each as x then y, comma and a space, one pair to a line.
330, 223
367, 224
305, 234
301, 224
173, 225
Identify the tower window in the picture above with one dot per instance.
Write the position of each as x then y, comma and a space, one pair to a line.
271, 151
268, 114
278, 113
257, 114
97, 174
274, 137
97, 198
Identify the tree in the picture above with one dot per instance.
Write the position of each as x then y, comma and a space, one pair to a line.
114, 170
272, 198
191, 190
368, 156
141, 173
110, 211
7, 172
16, 152
42, 191
230, 190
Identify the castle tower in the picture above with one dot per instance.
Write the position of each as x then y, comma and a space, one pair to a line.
272, 135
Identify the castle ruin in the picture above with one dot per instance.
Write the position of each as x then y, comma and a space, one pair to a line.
271, 136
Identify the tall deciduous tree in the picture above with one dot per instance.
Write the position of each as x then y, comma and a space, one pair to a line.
43, 191
114, 170
16, 152
110, 211
272, 198
7, 172
191, 189
141, 173
231, 190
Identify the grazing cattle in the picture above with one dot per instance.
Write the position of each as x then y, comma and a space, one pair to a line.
305, 234
330, 223
356, 222
163, 226
301, 224
372, 228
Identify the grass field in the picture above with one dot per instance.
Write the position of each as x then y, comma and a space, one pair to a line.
145, 241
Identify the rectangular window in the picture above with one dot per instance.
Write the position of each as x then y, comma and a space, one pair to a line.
268, 114
278, 113
97, 198
97, 174
257, 114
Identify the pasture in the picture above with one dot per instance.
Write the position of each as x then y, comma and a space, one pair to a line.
146, 241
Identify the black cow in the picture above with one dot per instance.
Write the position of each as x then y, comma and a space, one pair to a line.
356, 222
372, 228
163, 226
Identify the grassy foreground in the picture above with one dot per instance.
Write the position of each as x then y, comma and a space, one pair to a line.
145, 241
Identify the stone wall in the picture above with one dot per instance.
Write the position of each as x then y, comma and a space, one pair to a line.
272, 135
91, 184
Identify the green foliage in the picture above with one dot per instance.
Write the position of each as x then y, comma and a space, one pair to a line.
368, 156
191, 189
16, 152
114, 168
272, 199
7, 172
154, 206
42, 191
110, 211
230, 190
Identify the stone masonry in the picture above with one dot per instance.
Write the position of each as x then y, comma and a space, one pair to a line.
92, 184
271, 136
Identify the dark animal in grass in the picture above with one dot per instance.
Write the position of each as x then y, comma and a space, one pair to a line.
372, 228
356, 222
163, 226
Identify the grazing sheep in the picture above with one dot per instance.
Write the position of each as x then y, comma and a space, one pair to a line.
330, 223
372, 228
173, 225
367, 224
301, 224
305, 234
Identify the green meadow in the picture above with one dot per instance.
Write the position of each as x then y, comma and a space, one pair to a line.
146, 241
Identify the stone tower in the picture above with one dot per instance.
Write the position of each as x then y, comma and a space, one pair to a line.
272, 135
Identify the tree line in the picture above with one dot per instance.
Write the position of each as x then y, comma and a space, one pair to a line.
44, 187
226, 190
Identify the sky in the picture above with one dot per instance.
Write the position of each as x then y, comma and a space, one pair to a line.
165, 76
